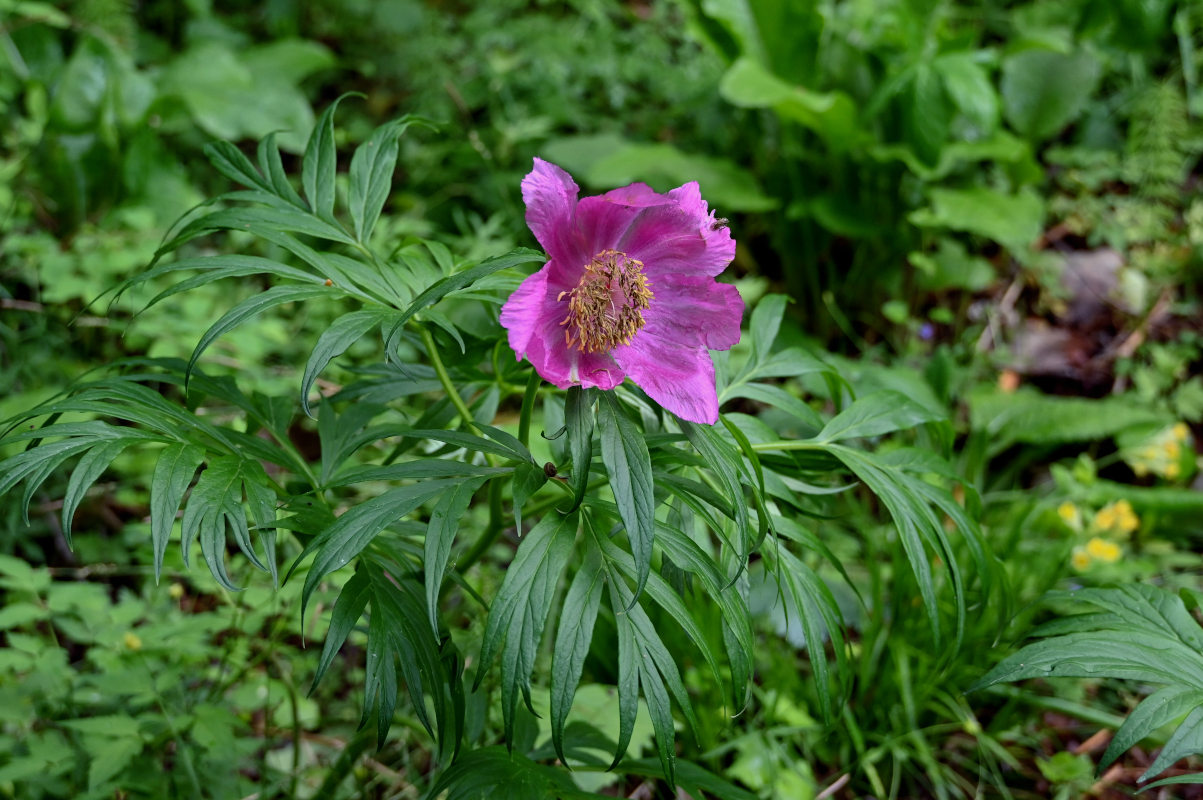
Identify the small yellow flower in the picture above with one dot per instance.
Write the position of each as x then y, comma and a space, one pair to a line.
132, 641
1103, 550
1181, 432
1173, 449
1105, 518
1080, 559
176, 590
1069, 514
1172, 470
1126, 518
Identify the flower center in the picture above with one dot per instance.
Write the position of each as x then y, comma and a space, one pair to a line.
606, 307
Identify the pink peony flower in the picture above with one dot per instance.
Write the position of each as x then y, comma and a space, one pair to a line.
629, 291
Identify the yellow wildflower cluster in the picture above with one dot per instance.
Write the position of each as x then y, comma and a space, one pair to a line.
1161, 454
1114, 521
1070, 515
1117, 518
1096, 549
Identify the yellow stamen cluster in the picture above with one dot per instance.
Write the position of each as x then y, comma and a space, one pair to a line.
606, 307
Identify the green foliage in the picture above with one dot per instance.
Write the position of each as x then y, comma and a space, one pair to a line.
794, 599
651, 461
1141, 633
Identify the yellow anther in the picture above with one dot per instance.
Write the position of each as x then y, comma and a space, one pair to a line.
606, 307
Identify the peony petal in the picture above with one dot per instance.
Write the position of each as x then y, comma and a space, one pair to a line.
695, 311
679, 378
602, 224
533, 316
667, 240
637, 194
550, 195
720, 247
522, 313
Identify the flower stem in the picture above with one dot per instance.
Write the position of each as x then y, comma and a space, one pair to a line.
761, 447
436, 361
528, 403
481, 545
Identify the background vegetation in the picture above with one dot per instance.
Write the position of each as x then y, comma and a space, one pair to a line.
991, 208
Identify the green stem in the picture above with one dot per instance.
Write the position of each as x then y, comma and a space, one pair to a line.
761, 447
486, 540
528, 404
453, 395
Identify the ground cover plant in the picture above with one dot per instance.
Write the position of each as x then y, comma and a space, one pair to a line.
790, 401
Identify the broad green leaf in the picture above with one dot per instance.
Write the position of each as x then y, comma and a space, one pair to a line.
1033, 418
173, 472
579, 419
968, 85
1155, 711
918, 528
778, 398
230, 161
695, 780
1013, 220
348, 608
727, 464
1125, 654
319, 165
925, 113
577, 617
832, 115
440, 534
216, 503
1043, 91
272, 167
90, 467
820, 618
656, 672
764, 324
528, 479
607, 161
214, 268
519, 611
457, 281
355, 529
418, 468
334, 341
371, 173
494, 773
111, 754
879, 413
1187, 740
629, 465
251, 307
